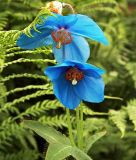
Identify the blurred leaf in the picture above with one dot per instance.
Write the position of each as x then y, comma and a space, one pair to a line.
61, 151
46, 132
92, 139
118, 118
131, 108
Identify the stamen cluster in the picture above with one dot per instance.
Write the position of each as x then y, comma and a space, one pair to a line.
61, 37
74, 75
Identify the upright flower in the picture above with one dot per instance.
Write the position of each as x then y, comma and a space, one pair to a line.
66, 34
74, 81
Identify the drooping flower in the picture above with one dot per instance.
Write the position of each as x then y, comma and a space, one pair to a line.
74, 81
66, 34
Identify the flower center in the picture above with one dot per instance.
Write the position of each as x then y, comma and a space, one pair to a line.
61, 37
74, 75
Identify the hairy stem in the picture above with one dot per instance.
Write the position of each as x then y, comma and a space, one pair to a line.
78, 125
79, 121
70, 127
81, 126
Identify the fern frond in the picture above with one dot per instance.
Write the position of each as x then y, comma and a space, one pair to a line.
21, 155
98, 2
57, 121
2, 92
131, 67
131, 109
42, 15
45, 51
119, 119
88, 111
23, 60
3, 19
9, 105
26, 88
9, 37
7, 121
52, 104
92, 125
12, 49
26, 16
34, 110
109, 27
10, 130
40, 107
23, 75
103, 10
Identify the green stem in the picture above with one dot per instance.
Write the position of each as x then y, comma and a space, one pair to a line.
78, 125
81, 126
79, 121
70, 127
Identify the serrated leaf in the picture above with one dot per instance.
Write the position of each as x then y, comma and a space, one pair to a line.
94, 138
131, 109
131, 67
61, 151
118, 118
46, 132
44, 13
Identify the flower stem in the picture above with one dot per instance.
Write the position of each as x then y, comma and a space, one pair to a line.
81, 126
78, 125
70, 127
79, 121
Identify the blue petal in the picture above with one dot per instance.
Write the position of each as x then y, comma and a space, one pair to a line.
78, 50
88, 28
52, 21
61, 21
65, 93
48, 41
90, 89
88, 69
54, 72
69, 20
38, 39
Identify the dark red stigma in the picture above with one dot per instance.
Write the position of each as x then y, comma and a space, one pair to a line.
74, 74
61, 36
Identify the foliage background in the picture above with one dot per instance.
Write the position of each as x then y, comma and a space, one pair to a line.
25, 93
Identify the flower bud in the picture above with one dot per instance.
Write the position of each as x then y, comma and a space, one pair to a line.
55, 7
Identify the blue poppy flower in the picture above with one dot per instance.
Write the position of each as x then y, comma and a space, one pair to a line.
74, 81
66, 34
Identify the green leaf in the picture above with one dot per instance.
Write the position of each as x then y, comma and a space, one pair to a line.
60, 146
60, 151
131, 67
43, 14
131, 109
92, 139
46, 132
79, 154
118, 118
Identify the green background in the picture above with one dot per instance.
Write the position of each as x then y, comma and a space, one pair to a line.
25, 93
